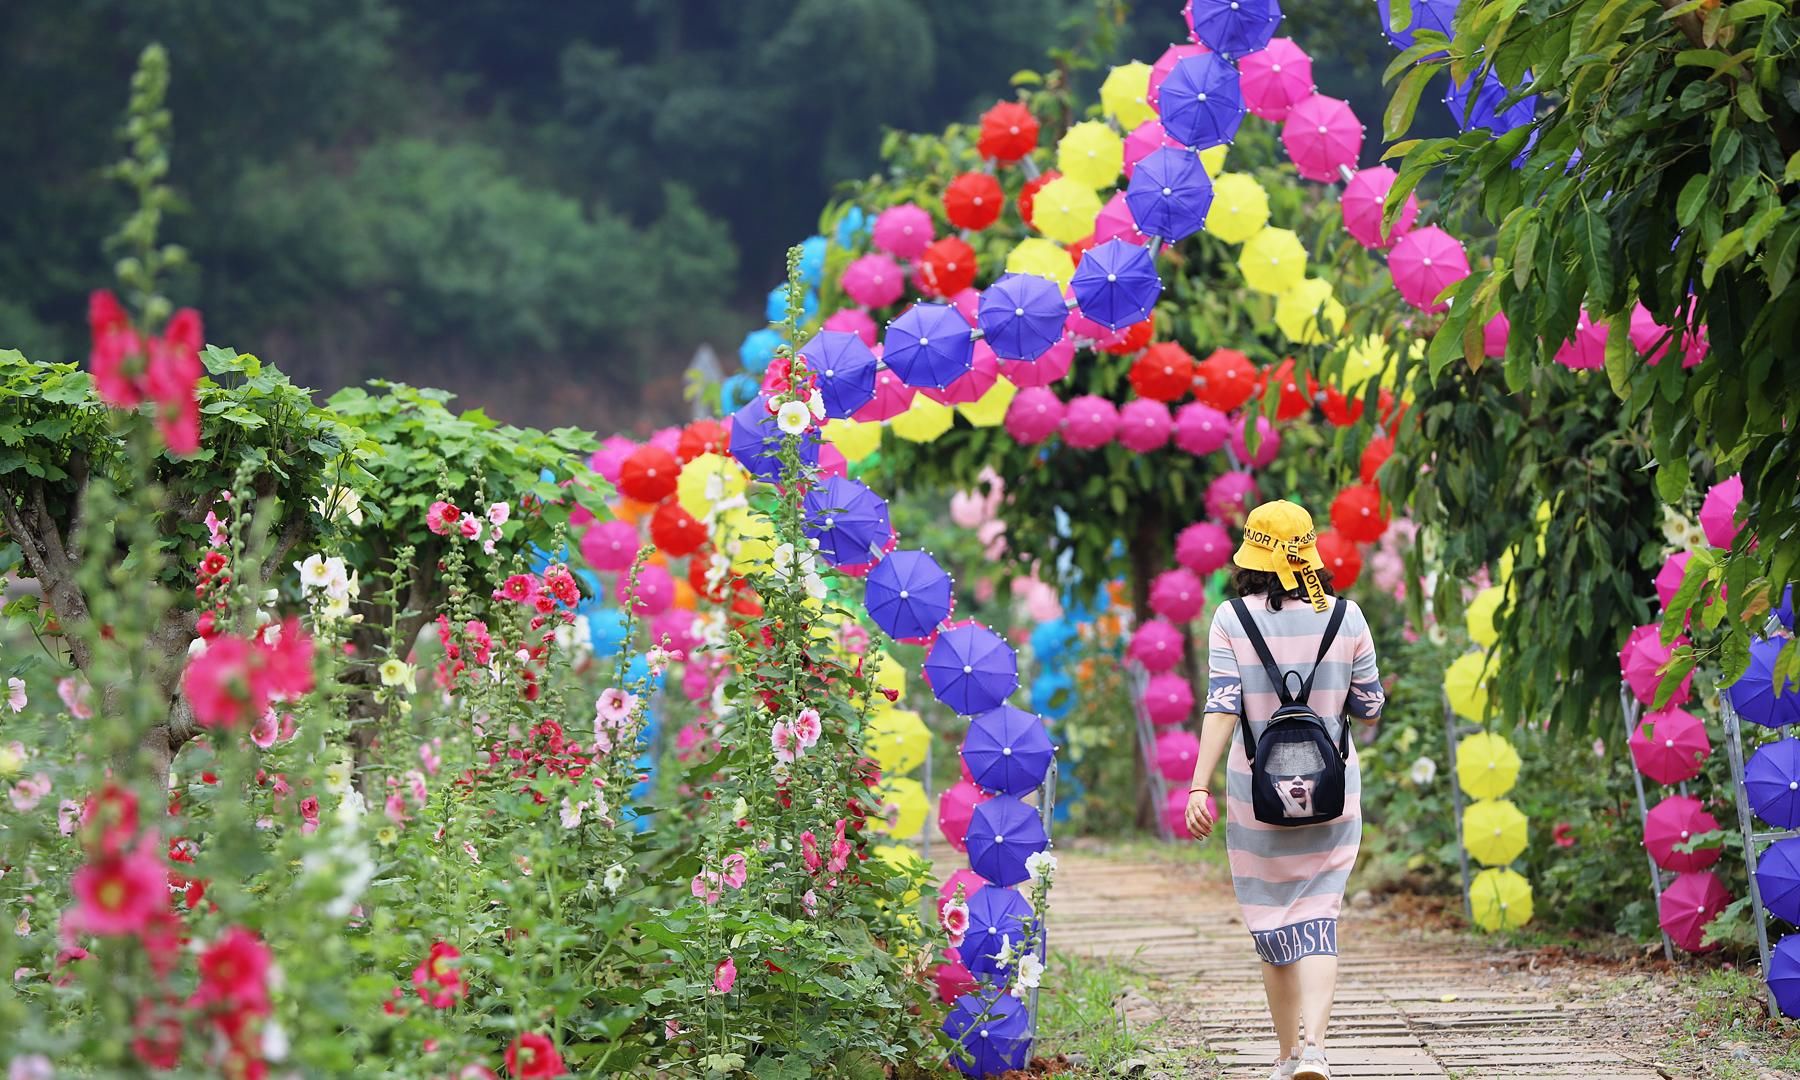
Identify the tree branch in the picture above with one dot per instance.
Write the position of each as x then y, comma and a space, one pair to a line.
292, 532
42, 547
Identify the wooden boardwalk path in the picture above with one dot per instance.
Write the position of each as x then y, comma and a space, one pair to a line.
1408, 1005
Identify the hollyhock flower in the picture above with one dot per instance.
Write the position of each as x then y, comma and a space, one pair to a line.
441, 517
782, 740
809, 902
30, 1067
737, 870
68, 815
469, 527
1029, 974
533, 1055
234, 971
309, 815
614, 706
520, 588
395, 809
808, 727
117, 895
1563, 835
109, 821
286, 668
1423, 772
396, 672
725, 975
476, 1072
15, 695
75, 697
1040, 866
955, 921
264, 732
840, 850
498, 513
157, 1034
705, 887
793, 417
27, 793
571, 813
809, 852
438, 978
218, 685
615, 877
561, 583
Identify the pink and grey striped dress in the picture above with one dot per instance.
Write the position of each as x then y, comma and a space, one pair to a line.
1290, 879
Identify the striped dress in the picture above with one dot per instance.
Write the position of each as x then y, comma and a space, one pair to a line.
1290, 879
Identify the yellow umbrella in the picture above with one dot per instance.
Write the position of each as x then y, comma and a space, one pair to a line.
1494, 831
1466, 685
855, 440
1240, 206
747, 539
896, 739
1122, 94
924, 420
1273, 261
1542, 519
990, 408
1308, 313
1367, 359
1064, 210
1500, 900
708, 480
1480, 616
903, 806
1212, 159
1487, 766
888, 675
1091, 153
1036, 255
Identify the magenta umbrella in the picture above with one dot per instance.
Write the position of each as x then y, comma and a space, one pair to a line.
1178, 595
1275, 79
1168, 699
1090, 423
892, 397
1115, 220
1229, 496
1363, 201
1175, 811
1052, 365
955, 807
1200, 428
1654, 340
1268, 441
873, 280
1175, 754
1587, 349
1493, 336
1157, 645
983, 373
1688, 904
1202, 547
904, 231
1668, 579
1165, 63
1034, 415
962, 877
1144, 425
1675, 821
1718, 511
1642, 658
854, 321
1424, 263
1670, 746
1147, 137
1322, 136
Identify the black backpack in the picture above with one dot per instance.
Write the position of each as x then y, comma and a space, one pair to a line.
1296, 772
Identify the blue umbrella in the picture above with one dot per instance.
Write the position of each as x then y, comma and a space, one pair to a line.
971, 668
1201, 103
1052, 694
1485, 111
756, 440
993, 920
606, 628
929, 345
1234, 27
1116, 284
1754, 696
1426, 15
758, 349
1784, 974
1170, 194
1003, 833
776, 306
853, 226
993, 1031
845, 368
1049, 640
1021, 316
907, 594
1772, 781
849, 521
1007, 750
1069, 793
736, 390
1778, 879
812, 260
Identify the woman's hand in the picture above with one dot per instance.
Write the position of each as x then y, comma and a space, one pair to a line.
1199, 814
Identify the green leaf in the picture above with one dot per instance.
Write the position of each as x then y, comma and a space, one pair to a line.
1524, 251
1792, 172
1749, 99
1779, 260
1729, 247
1398, 116
1593, 242
1692, 199
1672, 479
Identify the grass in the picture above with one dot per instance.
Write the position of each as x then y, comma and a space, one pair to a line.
1728, 1025
1078, 1017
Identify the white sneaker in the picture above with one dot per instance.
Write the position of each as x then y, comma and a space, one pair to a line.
1312, 1064
1284, 1069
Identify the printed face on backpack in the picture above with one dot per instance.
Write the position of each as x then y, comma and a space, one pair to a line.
1296, 796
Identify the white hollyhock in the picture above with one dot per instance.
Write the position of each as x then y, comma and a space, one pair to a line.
793, 417
1423, 772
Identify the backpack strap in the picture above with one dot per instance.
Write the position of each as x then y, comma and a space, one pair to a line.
1331, 631
1268, 662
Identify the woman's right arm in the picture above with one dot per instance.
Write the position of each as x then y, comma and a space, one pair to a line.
1215, 737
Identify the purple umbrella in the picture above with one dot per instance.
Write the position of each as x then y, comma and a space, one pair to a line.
929, 345
1021, 316
1007, 750
992, 919
1772, 780
849, 521
1201, 103
1116, 284
993, 1030
1426, 15
1778, 879
908, 595
971, 668
1485, 111
1754, 696
845, 369
1003, 833
756, 440
1170, 194
1784, 975
1231, 27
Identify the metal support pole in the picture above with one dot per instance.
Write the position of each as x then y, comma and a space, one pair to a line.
1734, 747
1159, 787
1456, 802
1633, 711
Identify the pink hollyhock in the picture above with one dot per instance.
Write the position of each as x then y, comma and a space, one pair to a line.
1563, 835
75, 697
840, 850
705, 886
809, 902
109, 821
286, 668
218, 684
737, 870
117, 895
68, 815
438, 978
395, 809
782, 740
157, 1034
476, 1072
808, 727
499, 513
533, 1055
264, 732
215, 530
561, 583
309, 815
519, 588
442, 517
469, 527
27, 793
725, 975
955, 920
234, 971
809, 852
15, 694
614, 706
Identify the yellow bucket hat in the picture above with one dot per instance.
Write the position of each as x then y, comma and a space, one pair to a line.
1279, 539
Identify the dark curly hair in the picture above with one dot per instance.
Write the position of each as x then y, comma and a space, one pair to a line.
1255, 582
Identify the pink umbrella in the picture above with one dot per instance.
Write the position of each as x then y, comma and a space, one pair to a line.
1092, 421
1587, 349
1718, 511
1157, 645
675, 629
1688, 904
1322, 136
1144, 138
1177, 595
668, 438
1677, 820
1034, 415
978, 380
1200, 428
1144, 425
1046, 369
1165, 63
1424, 263
610, 546
1654, 340
903, 231
873, 281
1668, 579
1175, 810
833, 463
1115, 220
952, 979
955, 807
1670, 746
1363, 201
1494, 335
1643, 656
1268, 442
892, 397
1229, 495
1175, 754
967, 301
853, 321
611, 455
1203, 547
1275, 79
654, 591
1168, 699
968, 880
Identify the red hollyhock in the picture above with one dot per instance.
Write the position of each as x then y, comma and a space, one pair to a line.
109, 820
117, 895
974, 201
533, 1055
234, 973
157, 1034
1008, 132
438, 978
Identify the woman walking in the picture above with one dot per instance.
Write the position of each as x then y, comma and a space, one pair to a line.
1290, 665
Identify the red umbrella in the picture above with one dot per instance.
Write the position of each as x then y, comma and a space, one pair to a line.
649, 474
947, 267
1677, 820
1688, 904
1008, 132
953, 980
1339, 410
1129, 339
1225, 380
1341, 559
1670, 746
1275, 79
1322, 136
1374, 456
1365, 200
1294, 402
956, 806
675, 532
974, 200
1424, 263
1356, 513
701, 437
1164, 372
